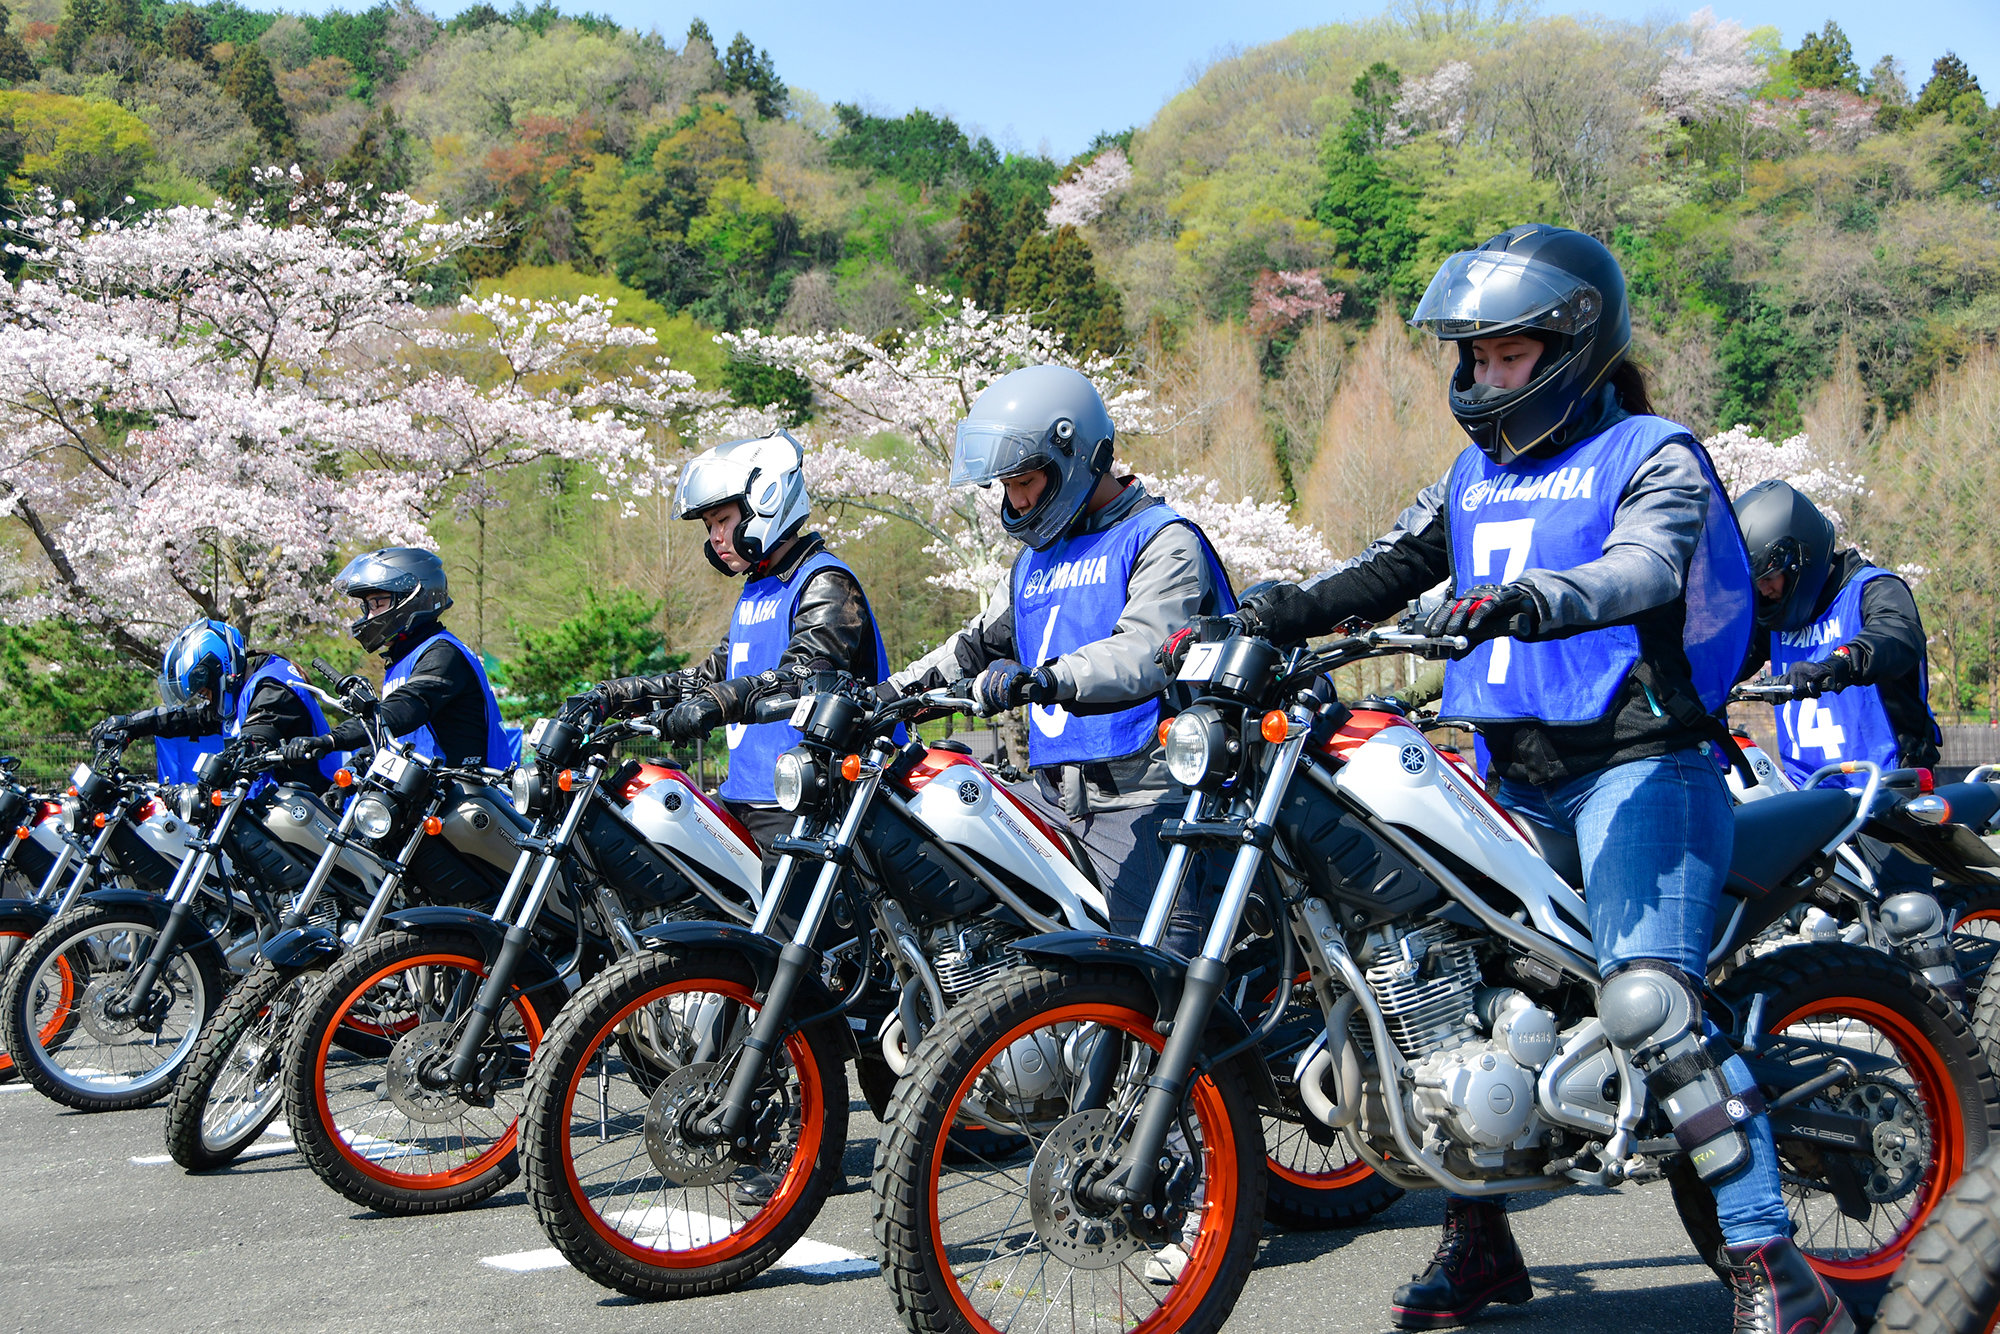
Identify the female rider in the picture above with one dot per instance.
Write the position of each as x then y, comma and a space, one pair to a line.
1602, 580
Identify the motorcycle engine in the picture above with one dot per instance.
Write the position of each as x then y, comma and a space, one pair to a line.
965, 954
1473, 1050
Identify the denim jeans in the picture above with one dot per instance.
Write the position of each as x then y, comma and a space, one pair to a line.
1655, 837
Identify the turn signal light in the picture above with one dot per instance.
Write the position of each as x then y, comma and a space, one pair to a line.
343, 778
566, 780
1165, 723
1276, 725
71, 789
1926, 781
100, 820
433, 825
21, 831
216, 798
850, 768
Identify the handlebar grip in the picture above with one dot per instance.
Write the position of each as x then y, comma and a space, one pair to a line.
774, 709
325, 672
1521, 626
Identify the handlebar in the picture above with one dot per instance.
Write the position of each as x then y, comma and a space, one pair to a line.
1763, 691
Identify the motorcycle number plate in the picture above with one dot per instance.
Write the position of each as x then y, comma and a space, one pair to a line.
389, 767
81, 776
535, 732
802, 711
1199, 666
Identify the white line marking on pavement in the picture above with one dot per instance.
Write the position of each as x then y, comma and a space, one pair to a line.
806, 1257
270, 1150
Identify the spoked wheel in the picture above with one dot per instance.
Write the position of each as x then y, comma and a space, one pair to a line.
626, 1180
386, 1131
66, 1022
1925, 1094
1019, 1242
229, 1091
60, 1009
1316, 1179
1949, 1282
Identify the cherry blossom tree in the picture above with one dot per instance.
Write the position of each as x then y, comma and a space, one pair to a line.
1713, 71
1281, 301
1437, 104
1743, 459
1082, 198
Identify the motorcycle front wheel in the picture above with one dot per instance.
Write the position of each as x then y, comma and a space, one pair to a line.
229, 1091
373, 1126
1012, 1241
1926, 1093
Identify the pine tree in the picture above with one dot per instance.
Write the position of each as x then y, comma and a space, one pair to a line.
1084, 310
1371, 219
186, 37
127, 19
1949, 80
746, 69
255, 89
1028, 276
976, 257
1825, 59
80, 22
379, 156
15, 66
698, 32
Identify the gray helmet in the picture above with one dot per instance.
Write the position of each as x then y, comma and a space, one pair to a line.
411, 575
767, 477
1040, 417
1786, 534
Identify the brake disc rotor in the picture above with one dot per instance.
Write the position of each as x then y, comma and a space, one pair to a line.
1901, 1145
681, 1159
1078, 1234
426, 1043
99, 1022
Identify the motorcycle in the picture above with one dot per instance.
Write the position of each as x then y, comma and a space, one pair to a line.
31, 826
428, 1121
1949, 1282
1448, 956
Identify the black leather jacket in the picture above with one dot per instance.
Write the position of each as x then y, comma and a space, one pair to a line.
276, 715
441, 691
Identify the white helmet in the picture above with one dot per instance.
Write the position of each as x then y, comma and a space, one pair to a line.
766, 475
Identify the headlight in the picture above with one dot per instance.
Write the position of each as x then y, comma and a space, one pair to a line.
372, 816
526, 788
184, 796
793, 780
1197, 747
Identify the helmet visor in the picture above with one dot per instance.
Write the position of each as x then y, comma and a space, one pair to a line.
1478, 292
372, 574
988, 451
707, 482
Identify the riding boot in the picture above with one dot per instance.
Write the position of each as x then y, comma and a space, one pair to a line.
1476, 1263
1777, 1292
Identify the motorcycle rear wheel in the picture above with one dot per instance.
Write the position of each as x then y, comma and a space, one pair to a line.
1857, 997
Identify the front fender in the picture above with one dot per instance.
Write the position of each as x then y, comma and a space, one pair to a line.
761, 952
197, 935
302, 948
1162, 972
488, 932
23, 916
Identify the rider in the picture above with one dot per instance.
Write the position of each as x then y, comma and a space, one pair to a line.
435, 692
802, 609
211, 688
1607, 593
1106, 572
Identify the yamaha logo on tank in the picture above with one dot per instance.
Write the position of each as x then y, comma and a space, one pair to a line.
672, 801
1413, 759
968, 792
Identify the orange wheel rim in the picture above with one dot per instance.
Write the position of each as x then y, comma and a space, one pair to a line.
812, 1126
1940, 1098
1219, 1148
502, 1145
65, 999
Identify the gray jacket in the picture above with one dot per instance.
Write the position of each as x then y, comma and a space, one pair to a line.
1170, 585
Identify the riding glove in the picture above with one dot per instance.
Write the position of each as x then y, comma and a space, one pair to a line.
1485, 611
588, 708
306, 749
119, 723
1200, 630
692, 719
1809, 680
1008, 685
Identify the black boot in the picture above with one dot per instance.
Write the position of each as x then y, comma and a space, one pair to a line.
1476, 1263
1777, 1292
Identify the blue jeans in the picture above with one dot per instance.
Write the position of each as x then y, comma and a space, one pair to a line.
1655, 837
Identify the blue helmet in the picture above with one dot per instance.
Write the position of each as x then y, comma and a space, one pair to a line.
208, 655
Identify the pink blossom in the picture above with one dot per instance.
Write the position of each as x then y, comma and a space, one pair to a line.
1080, 199
1280, 302
1743, 459
1713, 70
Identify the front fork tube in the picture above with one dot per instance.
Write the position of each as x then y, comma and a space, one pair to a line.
302, 905
1132, 1183
463, 1071
86, 874
182, 894
731, 1119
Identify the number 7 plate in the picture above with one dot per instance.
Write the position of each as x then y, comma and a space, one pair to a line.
1201, 660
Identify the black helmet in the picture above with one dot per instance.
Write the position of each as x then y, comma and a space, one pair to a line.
411, 575
1046, 417
1559, 287
1786, 534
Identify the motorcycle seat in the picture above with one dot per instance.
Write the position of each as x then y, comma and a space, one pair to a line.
1776, 834
1558, 849
1972, 804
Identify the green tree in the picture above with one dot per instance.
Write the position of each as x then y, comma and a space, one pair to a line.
1369, 216
1054, 279
254, 88
1825, 59
747, 69
616, 635
1949, 81
698, 32
380, 154
81, 148
15, 66
80, 21
186, 37
753, 384
56, 678
977, 258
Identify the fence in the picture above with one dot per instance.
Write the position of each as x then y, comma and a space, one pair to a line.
48, 759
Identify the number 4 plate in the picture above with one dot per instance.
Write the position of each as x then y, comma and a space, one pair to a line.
1200, 662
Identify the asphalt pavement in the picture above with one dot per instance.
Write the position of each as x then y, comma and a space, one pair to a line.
99, 1231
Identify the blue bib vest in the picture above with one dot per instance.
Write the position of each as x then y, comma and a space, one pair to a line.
1073, 594
175, 756
1850, 724
1554, 514
502, 749
276, 668
759, 633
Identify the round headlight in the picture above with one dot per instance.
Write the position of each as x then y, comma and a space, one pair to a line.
372, 816
526, 788
790, 781
184, 797
1196, 744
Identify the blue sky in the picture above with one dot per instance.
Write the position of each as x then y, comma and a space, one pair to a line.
1038, 73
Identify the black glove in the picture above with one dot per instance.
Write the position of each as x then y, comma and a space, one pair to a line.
1008, 685
118, 724
1483, 612
692, 719
1810, 680
307, 749
887, 693
588, 708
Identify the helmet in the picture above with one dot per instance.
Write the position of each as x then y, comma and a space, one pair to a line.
1559, 287
767, 477
1786, 534
207, 656
1046, 417
412, 576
